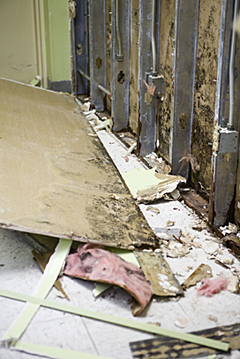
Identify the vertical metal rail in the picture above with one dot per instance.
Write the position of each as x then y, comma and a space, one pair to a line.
186, 28
223, 63
225, 145
231, 69
147, 103
153, 39
120, 63
81, 46
97, 43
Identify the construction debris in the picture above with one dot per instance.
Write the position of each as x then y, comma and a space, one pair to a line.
176, 249
164, 347
213, 286
209, 246
148, 186
96, 264
203, 271
159, 274
167, 233
42, 260
153, 209
232, 242
233, 284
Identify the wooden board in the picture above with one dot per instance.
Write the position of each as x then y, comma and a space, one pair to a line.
56, 178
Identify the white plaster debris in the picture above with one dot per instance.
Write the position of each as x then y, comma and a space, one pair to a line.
85, 106
181, 322
176, 249
210, 247
233, 228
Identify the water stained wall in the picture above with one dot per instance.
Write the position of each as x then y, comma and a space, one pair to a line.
205, 90
134, 44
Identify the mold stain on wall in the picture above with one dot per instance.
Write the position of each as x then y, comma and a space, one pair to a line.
165, 69
134, 41
205, 90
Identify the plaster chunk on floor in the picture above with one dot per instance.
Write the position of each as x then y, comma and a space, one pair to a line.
210, 247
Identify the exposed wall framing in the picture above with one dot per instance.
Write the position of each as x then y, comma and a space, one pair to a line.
205, 90
193, 44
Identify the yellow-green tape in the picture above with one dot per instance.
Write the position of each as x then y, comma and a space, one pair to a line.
53, 352
42, 289
211, 343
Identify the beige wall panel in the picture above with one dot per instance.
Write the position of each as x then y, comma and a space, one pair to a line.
165, 69
133, 101
55, 178
18, 58
205, 89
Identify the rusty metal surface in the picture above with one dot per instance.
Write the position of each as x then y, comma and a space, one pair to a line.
55, 178
184, 73
120, 64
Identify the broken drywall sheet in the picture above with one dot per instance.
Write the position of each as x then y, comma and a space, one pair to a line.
203, 271
96, 264
66, 175
159, 274
148, 185
164, 347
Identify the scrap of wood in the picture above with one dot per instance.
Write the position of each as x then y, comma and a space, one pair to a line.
42, 260
159, 274
203, 271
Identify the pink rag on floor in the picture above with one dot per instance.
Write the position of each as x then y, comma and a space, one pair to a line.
94, 263
213, 286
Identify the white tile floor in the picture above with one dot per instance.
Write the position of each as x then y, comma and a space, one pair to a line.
20, 273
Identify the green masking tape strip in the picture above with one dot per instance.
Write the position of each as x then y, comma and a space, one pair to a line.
116, 320
45, 284
56, 353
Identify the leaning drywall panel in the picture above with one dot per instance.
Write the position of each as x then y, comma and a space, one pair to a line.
165, 68
56, 177
205, 90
